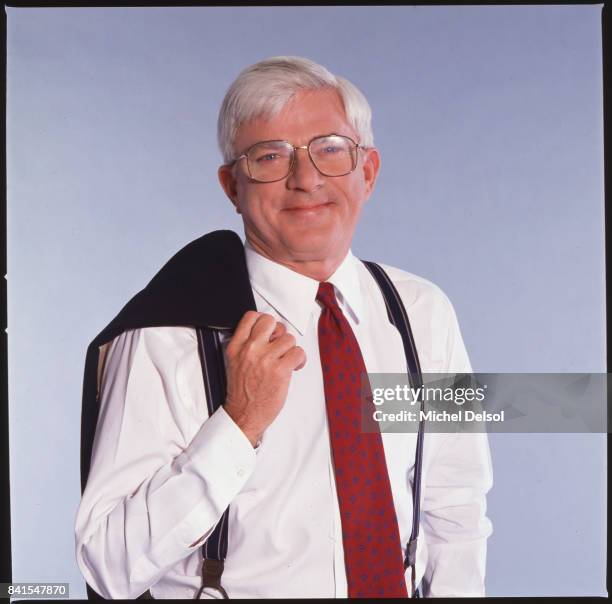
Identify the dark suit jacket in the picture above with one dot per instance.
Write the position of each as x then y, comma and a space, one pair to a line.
205, 284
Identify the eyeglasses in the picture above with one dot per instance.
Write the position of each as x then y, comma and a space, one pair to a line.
331, 155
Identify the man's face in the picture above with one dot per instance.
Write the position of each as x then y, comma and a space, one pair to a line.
306, 217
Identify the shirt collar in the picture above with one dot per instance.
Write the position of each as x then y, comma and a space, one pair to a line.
293, 295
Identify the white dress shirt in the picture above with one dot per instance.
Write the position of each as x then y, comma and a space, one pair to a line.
163, 471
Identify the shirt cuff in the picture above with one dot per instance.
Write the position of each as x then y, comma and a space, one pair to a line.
222, 449
222, 458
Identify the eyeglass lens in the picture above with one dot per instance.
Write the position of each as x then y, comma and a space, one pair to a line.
332, 156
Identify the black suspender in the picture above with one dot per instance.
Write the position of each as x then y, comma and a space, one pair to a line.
214, 549
399, 318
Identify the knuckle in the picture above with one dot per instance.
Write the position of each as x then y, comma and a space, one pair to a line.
267, 319
249, 347
288, 339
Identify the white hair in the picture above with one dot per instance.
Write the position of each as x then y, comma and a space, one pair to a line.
264, 88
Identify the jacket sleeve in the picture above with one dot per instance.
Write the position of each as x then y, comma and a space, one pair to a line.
163, 471
454, 518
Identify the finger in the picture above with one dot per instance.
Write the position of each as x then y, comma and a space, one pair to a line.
280, 346
263, 328
243, 329
279, 330
294, 358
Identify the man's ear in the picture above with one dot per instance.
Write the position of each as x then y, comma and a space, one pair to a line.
371, 166
227, 179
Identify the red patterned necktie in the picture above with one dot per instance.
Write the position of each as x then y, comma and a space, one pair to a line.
370, 534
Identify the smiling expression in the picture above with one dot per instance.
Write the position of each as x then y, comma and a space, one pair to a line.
306, 219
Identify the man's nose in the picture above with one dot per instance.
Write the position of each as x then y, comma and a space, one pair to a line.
304, 175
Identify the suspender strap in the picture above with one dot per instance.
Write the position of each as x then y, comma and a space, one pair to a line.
399, 318
214, 549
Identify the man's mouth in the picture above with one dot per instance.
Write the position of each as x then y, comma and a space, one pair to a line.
308, 207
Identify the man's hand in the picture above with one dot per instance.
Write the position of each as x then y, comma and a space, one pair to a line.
261, 358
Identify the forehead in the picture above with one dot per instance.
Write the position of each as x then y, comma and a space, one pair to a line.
308, 114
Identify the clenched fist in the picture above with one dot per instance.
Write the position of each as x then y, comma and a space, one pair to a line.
261, 357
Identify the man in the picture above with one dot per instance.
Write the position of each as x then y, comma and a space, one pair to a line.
299, 163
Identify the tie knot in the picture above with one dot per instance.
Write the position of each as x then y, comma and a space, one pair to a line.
326, 295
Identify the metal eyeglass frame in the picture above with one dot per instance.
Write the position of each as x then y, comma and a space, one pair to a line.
295, 148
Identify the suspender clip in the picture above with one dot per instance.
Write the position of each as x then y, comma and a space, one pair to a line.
410, 554
410, 562
211, 577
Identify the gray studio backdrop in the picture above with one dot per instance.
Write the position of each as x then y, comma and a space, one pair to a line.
489, 122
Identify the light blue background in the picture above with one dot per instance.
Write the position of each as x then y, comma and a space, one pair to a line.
489, 121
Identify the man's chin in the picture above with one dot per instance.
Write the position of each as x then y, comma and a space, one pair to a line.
313, 248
